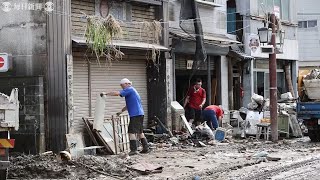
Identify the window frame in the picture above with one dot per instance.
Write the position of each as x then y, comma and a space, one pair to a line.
305, 24
316, 23
122, 4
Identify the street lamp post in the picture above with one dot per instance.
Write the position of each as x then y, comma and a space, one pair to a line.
274, 38
273, 83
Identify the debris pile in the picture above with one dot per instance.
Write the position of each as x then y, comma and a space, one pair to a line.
38, 166
287, 115
51, 166
314, 74
311, 83
258, 103
258, 113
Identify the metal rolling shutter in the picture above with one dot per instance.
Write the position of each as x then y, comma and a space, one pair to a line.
81, 93
105, 79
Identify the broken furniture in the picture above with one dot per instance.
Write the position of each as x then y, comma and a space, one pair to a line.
113, 133
283, 126
265, 129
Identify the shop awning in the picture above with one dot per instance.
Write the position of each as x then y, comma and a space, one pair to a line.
125, 44
209, 38
215, 44
236, 52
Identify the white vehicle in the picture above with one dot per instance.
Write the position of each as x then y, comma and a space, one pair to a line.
9, 120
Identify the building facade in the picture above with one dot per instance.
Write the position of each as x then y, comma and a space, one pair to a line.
255, 75
59, 78
308, 33
90, 78
214, 72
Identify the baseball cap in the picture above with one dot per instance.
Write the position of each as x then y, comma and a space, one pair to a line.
125, 81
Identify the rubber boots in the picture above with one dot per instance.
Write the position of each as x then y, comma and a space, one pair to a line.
145, 146
133, 147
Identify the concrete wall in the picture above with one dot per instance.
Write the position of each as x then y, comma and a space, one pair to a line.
23, 34
309, 38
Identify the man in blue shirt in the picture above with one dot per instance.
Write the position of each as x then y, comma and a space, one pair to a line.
136, 113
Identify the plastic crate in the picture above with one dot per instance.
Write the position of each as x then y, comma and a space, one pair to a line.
283, 124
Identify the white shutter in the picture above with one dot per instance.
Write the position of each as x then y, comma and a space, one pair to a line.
105, 79
81, 93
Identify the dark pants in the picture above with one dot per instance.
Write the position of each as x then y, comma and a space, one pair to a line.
211, 118
194, 114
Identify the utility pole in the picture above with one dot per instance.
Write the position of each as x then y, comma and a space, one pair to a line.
273, 83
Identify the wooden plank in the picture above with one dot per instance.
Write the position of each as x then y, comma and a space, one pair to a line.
115, 136
184, 120
144, 16
153, 2
82, 3
93, 139
82, 7
76, 15
143, 8
81, 11
79, 23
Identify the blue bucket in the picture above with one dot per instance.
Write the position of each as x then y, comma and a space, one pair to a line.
220, 134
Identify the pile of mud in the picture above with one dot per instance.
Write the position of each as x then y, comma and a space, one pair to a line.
52, 167
36, 166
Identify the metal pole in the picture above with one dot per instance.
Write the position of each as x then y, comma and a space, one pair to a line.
273, 83
209, 81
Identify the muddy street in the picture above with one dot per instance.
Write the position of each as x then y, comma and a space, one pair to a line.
238, 159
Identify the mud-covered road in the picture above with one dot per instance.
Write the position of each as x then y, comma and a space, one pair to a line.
300, 159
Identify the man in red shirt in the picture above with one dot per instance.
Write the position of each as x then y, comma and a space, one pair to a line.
194, 102
213, 116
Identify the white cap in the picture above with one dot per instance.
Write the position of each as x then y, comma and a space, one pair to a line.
125, 81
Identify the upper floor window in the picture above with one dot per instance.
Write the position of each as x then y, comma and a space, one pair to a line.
280, 7
105, 7
307, 24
